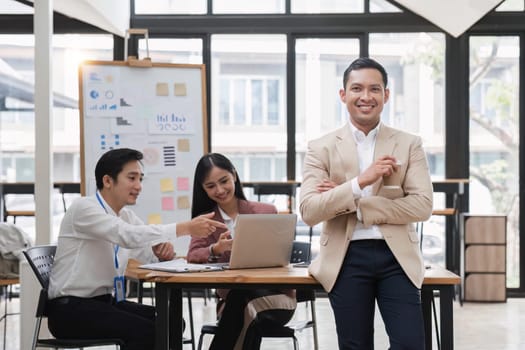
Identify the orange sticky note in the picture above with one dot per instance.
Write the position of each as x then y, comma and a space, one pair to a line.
183, 145
162, 89
179, 89
183, 202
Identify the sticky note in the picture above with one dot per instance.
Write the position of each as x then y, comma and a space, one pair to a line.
183, 202
183, 183
162, 89
180, 89
183, 145
166, 185
154, 219
167, 203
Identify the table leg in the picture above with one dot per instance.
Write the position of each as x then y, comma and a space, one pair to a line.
426, 305
162, 319
446, 296
176, 319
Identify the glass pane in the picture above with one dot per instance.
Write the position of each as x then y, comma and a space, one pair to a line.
239, 103
172, 50
511, 5
327, 6
257, 99
415, 66
17, 134
166, 7
494, 136
17, 123
243, 6
383, 6
248, 102
320, 64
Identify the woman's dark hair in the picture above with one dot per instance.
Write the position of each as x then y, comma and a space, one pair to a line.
201, 203
112, 162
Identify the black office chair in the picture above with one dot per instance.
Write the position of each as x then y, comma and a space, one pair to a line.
41, 258
300, 254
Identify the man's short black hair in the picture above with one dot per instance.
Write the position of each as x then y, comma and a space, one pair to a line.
112, 162
362, 63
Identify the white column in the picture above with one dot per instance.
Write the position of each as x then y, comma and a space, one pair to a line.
29, 292
43, 27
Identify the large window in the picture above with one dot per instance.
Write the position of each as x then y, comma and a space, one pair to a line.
17, 112
17, 117
320, 64
172, 50
249, 102
494, 136
415, 65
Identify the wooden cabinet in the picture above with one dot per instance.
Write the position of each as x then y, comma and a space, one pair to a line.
484, 257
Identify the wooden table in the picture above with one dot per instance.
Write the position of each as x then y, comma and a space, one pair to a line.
169, 286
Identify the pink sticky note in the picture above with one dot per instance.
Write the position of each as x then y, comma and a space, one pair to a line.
183, 183
168, 203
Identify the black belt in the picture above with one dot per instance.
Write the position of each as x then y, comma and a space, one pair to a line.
105, 298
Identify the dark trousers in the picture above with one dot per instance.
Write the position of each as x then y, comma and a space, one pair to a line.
101, 317
232, 320
371, 273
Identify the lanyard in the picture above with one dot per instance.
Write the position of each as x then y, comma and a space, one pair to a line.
117, 247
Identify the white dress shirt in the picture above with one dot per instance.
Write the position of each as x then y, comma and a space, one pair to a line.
84, 263
365, 145
228, 221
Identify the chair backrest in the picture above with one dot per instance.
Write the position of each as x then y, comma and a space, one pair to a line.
41, 258
300, 252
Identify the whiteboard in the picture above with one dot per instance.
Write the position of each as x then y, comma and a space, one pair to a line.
158, 110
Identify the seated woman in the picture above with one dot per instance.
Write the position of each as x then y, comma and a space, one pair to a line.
217, 188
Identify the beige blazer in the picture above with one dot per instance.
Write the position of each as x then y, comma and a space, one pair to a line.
394, 210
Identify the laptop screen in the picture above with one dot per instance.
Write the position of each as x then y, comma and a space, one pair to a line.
262, 240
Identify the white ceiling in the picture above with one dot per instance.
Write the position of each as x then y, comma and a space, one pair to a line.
453, 16
110, 15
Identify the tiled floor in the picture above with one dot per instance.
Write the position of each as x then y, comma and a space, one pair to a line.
477, 326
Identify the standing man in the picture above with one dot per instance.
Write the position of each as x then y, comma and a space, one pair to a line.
86, 284
369, 183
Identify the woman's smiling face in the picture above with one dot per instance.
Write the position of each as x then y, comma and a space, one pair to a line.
220, 185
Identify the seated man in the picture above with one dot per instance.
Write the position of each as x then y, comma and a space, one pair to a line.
86, 287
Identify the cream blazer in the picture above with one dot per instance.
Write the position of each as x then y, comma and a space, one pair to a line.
394, 210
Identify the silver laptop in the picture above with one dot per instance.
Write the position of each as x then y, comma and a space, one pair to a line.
262, 240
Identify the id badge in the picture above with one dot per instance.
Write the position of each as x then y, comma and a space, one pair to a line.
119, 287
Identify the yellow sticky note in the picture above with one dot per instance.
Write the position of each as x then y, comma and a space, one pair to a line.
162, 89
154, 219
180, 89
166, 185
183, 202
183, 145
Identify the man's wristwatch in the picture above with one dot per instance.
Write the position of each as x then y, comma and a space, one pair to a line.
212, 257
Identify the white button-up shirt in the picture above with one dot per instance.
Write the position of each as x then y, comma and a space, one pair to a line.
365, 145
84, 263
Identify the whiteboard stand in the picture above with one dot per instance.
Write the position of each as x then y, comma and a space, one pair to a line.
132, 60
